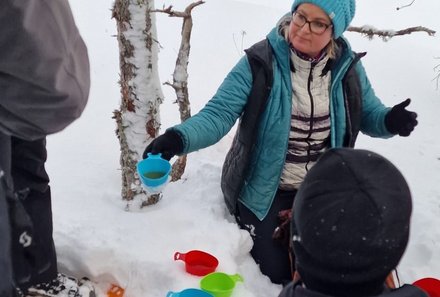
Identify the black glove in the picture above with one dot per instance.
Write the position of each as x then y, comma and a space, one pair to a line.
401, 121
168, 144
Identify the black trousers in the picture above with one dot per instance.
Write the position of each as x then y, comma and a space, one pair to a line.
5, 243
30, 212
272, 256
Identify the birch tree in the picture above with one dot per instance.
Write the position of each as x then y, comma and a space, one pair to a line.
138, 118
180, 75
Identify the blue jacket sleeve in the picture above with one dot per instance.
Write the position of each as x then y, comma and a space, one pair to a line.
219, 115
373, 110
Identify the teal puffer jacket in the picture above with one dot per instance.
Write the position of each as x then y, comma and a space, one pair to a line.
219, 115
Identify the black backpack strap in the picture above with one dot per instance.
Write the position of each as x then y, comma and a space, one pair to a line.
353, 102
237, 159
260, 58
260, 61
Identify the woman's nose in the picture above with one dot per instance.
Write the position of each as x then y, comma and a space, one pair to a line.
306, 28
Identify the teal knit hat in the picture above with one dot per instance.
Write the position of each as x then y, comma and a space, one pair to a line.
341, 12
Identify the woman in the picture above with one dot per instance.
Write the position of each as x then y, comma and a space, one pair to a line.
320, 98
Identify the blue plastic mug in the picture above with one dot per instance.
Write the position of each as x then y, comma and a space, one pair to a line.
153, 171
189, 293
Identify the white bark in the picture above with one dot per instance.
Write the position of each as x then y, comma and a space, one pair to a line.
138, 119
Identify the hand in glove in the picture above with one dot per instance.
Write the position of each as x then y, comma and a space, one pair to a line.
168, 144
401, 121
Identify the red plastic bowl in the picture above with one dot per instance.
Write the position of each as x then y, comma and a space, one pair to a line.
197, 262
430, 285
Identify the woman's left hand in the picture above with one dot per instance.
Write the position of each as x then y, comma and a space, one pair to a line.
401, 121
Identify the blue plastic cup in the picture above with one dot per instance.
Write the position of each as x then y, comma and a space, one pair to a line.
153, 171
189, 293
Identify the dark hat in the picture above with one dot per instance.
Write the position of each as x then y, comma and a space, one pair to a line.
350, 224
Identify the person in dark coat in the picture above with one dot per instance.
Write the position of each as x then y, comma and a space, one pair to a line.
319, 97
44, 83
350, 227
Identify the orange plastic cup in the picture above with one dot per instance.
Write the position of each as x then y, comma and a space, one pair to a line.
115, 291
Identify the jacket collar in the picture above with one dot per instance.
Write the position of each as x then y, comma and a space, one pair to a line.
281, 49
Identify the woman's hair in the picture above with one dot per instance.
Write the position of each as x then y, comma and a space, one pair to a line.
331, 48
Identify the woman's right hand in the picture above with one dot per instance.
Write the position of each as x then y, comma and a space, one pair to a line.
168, 144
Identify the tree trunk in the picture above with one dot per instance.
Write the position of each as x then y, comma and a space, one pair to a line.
180, 76
138, 119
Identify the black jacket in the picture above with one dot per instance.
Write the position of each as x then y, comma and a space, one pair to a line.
44, 68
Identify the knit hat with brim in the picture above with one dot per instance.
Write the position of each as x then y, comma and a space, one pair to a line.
341, 12
350, 224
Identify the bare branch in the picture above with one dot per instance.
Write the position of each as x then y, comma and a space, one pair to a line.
180, 75
370, 32
182, 14
239, 50
192, 5
437, 67
437, 77
167, 83
407, 5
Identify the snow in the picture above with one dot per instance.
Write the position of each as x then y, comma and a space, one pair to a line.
94, 234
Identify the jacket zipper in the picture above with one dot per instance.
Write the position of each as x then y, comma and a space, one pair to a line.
312, 113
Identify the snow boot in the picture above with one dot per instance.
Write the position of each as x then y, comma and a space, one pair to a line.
63, 286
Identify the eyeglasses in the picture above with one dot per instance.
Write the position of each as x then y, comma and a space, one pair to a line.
316, 27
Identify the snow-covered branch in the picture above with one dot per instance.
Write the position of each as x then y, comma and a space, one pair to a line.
370, 31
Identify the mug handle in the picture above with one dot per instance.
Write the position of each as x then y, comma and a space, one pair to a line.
170, 294
179, 256
236, 278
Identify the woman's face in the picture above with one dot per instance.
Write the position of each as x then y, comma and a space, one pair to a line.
302, 38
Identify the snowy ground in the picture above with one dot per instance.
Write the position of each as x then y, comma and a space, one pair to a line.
96, 237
